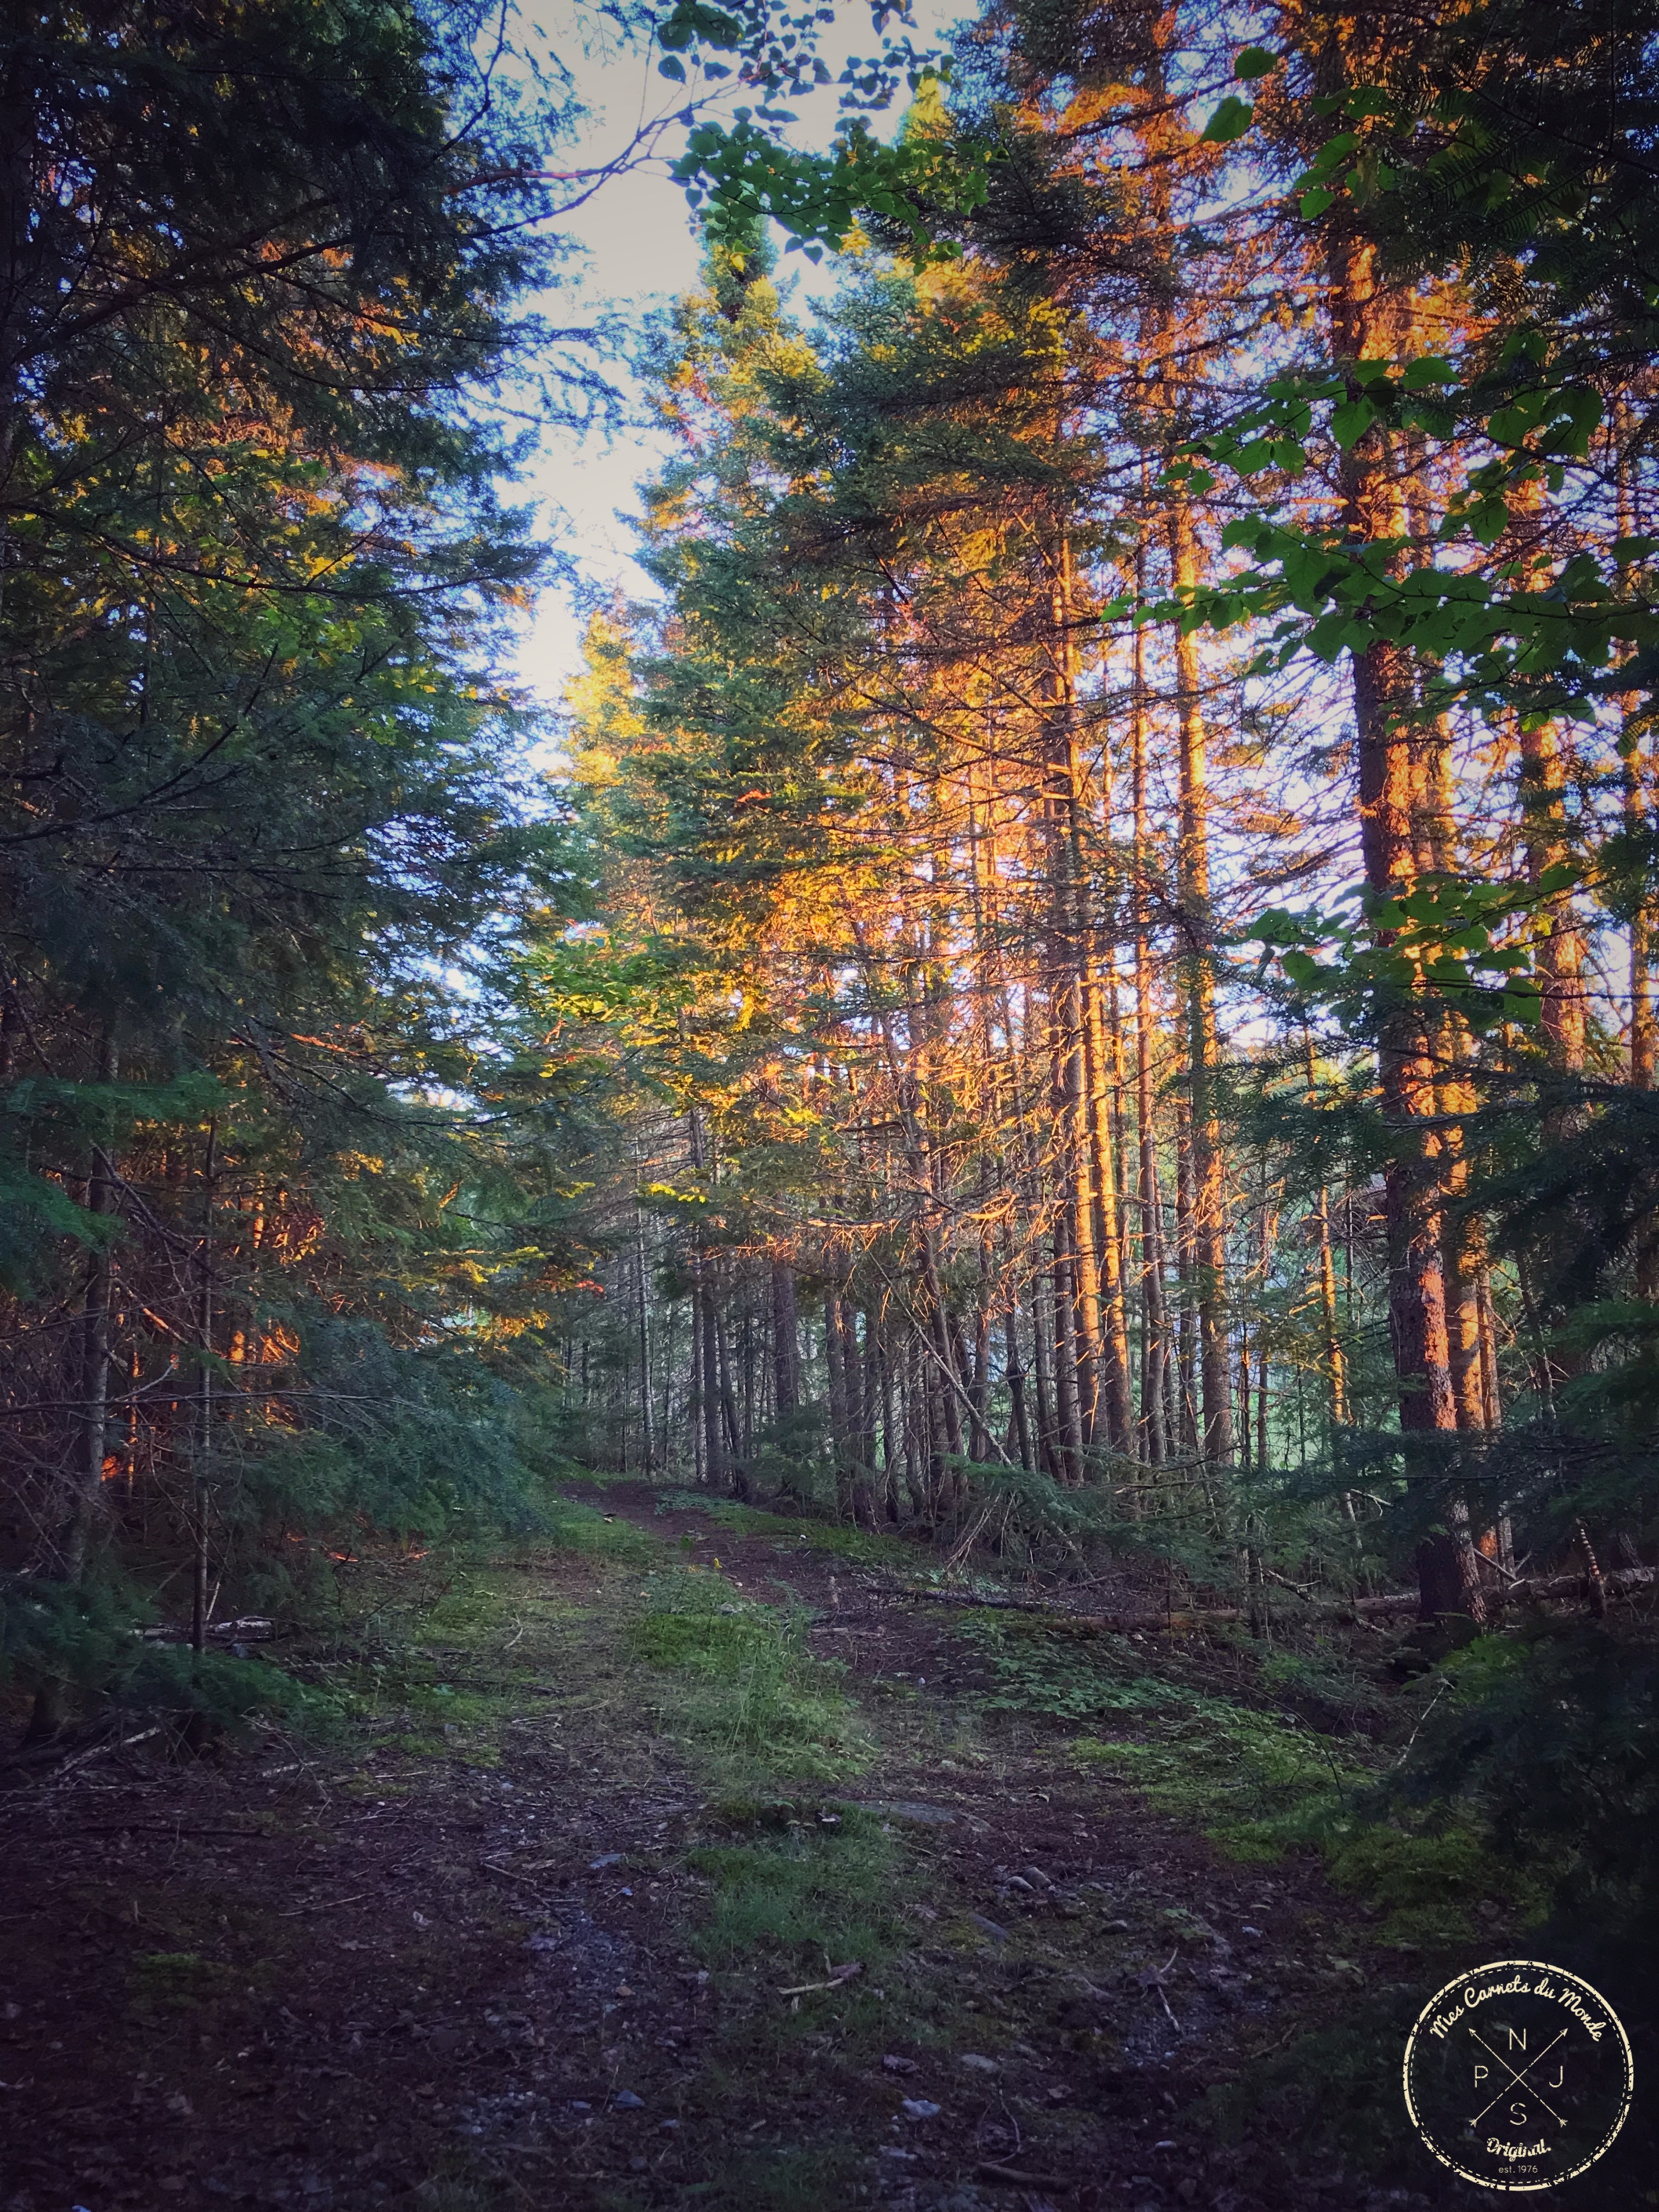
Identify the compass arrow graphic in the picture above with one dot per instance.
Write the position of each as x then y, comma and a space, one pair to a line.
1520, 2077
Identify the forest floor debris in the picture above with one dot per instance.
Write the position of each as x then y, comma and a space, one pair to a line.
626, 1880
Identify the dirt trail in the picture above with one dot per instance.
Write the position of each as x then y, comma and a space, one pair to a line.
452, 1965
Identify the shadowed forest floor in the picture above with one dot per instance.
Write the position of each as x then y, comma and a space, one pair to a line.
681, 1862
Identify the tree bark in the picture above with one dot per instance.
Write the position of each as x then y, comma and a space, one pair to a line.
1193, 900
786, 1344
1384, 704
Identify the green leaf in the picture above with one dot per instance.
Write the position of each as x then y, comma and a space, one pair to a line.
669, 67
1230, 120
1253, 62
1350, 421
1432, 368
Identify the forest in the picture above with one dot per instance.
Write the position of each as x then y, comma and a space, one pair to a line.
1061, 1020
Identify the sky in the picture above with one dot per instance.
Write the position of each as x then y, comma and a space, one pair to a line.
636, 250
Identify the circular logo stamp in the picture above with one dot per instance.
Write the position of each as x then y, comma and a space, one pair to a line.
1517, 2075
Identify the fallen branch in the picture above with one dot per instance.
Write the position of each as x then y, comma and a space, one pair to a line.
507, 1873
165, 1828
111, 1743
1016, 2178
839, 1976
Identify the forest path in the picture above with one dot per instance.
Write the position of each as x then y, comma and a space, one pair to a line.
628, 1880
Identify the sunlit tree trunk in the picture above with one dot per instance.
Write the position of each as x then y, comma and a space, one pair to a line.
1155, 1346
1192, 900
1384, 704
1560, 965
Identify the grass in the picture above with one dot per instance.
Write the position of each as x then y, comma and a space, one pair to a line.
815, 1896
860, 1546
445, 1647
756, 1700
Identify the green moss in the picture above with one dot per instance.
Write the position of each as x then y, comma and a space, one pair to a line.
1043, 1667
822, 2178
420, 1746
1430, 1882
174, 1981
1287, 1791
758, 1695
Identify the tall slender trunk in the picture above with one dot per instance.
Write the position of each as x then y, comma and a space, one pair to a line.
869, 1416
1050, 1457
705, 1331
1638, 782
1104, 1379
1154, 1311
1544, 831
833, 1357
1384, 703
1186, 1365
1075, 1071
1335, 1363
1103, 1047
1192, 899
729, 1424
68, 1560
786, 1344
713, 1440
647, 1439
1020, 1416
1067, 1412
694, 1396
92, 1443
1639, 818
201, 1465
1269, 1228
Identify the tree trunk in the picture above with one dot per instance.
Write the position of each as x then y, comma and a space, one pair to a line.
1186, 1425
786, 1344
1561, 957
1193, 900
1383, 700
85, 1485
647, 1441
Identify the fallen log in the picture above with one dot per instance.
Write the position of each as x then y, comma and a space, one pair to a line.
251, 1628
1579, 1584
1114, 1623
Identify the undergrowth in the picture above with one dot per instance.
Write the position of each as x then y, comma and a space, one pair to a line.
1260, 1784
